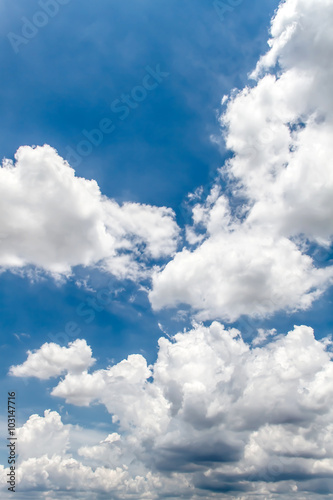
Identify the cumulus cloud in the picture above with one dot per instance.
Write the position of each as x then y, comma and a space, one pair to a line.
42, 435
124, 390
47, 465
213, 414
54, 220
213, 417
252, 260
52, 360
240, 272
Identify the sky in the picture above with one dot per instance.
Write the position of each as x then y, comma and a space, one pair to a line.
166, 199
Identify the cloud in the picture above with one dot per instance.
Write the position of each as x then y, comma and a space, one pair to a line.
124, 391
52, 360
212, 415
280, 130
40, 435
252, 259
47, 465
240, 272
54, 220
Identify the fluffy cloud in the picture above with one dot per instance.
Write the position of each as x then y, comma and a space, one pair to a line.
240, 272
251, 260
280, 130
47, 465
42, 435
213, 414
214, 417
54, 220
52, 360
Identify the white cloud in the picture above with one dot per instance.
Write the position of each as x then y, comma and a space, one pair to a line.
251, 260
123, 389
47, 467
40, 435
214, 417
263, 335
58, 473
52, 360
217, 416
54, 220
240, 272
280, 130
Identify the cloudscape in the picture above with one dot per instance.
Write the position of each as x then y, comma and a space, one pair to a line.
166, 193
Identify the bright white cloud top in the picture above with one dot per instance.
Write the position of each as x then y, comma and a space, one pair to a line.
52, 360
54, 220
280, 131
214, 416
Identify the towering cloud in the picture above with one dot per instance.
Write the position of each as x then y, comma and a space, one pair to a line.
252, 261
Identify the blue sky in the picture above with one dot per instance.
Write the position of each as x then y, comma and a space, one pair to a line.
101, 52
74, 68
245, 241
